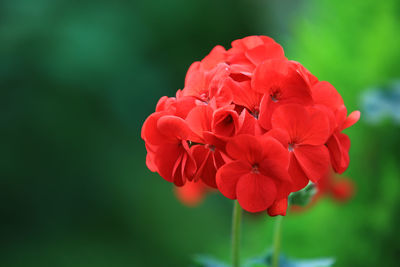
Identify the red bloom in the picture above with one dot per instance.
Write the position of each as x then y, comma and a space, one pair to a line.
212, 128
281, 82
258, 175
250, 51
244, 95
192, 193
168, 135
339, 143
208, 85
303, 131
341, 189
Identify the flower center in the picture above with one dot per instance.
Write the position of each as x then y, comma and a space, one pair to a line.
256, 112
228, 120
275, 95
254, 168
205, 98
291, 147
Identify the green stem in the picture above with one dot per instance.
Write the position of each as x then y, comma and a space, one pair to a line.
236, 220
277, 241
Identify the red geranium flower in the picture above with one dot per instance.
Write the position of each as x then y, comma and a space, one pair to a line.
168, 135
249, 52
257, 177
339, 143
208, 85
212, 128
304, 132
281, 82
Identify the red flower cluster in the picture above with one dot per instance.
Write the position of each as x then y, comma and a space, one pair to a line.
250, 123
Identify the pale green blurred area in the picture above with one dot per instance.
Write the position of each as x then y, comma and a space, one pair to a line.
78, 78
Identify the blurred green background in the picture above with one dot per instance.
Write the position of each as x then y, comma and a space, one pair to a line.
78, 79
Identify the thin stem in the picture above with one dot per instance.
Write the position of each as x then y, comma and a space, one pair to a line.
277, 241
236, 220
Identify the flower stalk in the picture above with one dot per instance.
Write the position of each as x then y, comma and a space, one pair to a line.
277, 241
236, 222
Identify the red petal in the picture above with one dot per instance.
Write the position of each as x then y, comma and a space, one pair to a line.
330, 116
211, 139
281, 76
199, 120
184, 105
243, 71
248, 123
311, 79
279, 207
273, 149
261, 53
194, 81
189, 167
173, 128
225, 122
167, 164
255, 192
351, 119
204, 160
162, 103
215, 79
267, 108
325, 94
217, 55
149, 162
150, 158
345, 144
248, 42
314, 160
150, 133
245, 147
280, 135
178, 175
222, 95
275, 169
219, 88
319, 128
292, 118
335, 151
229, 175
303, 126
243, 95
339, 146
299, 179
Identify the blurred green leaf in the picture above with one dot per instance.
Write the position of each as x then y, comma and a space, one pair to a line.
324, 262
208, 261
256, 264
304, 196
265, 261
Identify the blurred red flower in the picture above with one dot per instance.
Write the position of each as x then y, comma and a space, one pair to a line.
340, 189
192, 193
